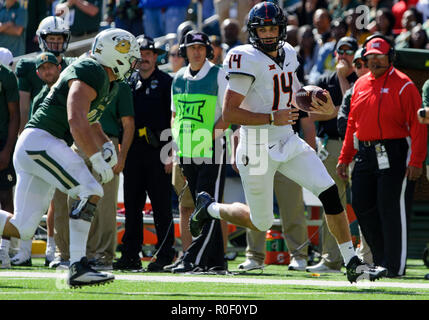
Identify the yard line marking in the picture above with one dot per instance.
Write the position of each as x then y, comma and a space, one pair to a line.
232, 280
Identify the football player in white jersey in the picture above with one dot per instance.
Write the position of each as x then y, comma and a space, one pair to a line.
259, 97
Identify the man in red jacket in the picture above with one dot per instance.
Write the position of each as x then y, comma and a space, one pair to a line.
389, 147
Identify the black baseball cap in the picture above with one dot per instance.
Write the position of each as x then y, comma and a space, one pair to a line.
147, 43
196, 37
349, 41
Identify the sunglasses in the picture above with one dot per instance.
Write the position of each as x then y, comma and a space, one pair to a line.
358, 65
375, 56
348, 52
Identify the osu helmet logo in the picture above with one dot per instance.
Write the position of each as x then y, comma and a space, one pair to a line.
123, 46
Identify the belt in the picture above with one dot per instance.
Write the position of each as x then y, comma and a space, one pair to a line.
372, 143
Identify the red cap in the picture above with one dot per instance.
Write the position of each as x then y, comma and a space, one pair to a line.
377, 46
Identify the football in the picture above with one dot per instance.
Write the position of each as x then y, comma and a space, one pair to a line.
304, 96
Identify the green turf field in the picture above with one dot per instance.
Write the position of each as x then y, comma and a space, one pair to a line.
274, 283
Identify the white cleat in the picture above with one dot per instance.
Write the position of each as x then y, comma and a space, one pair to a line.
297, 264
250, 265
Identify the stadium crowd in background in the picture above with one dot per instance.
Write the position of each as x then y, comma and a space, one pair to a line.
315, 29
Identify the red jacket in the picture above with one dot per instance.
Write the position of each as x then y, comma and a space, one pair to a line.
394, 117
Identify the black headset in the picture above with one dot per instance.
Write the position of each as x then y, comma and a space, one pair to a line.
391, 53
187, 39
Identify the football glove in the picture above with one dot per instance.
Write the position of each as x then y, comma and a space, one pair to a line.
109, 154
101, 167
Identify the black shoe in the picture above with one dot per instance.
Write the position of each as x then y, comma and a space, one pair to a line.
157, 266
183, 267
173, 265
200, 215
125, 263
358, 270
81, 274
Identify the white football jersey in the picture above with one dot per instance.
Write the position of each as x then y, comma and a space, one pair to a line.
273, 86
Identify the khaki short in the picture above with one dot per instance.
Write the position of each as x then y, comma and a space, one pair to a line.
178, 184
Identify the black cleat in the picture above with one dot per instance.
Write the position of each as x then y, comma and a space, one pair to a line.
126, 263
358, 270
183, 267
81, 274
200, 215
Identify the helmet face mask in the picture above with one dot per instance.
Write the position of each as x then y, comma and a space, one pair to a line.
53, 26
117, 49
262, 15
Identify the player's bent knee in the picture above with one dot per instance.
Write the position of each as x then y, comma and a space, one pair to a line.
82, 209
331, 201
262, 225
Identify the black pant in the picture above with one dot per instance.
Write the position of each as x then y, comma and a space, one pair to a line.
144, 175
382, 201
207, 249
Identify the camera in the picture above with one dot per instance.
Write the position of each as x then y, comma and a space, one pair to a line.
422, 112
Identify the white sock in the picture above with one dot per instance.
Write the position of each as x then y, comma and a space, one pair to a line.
214, 210
51, 243
347, 251
79, 230
5, 244
3, 218
25, 246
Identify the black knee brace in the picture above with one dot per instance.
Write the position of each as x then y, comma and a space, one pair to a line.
331, 201
82, 209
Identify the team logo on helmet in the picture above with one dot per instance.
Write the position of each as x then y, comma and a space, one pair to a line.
123, 46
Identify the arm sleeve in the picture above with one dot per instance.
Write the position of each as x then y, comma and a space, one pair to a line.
348, 151
411, 101
343, 113
240, 83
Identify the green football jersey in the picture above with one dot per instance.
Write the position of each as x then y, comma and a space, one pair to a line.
8, 93
28, 80
51, 116
37, 101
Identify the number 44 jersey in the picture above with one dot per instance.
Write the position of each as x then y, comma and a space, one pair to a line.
273, 87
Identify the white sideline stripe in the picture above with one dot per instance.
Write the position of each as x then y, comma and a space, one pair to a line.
233, 280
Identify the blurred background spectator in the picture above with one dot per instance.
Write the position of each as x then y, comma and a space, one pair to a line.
13, 23
84, 17
127, 15
161, 17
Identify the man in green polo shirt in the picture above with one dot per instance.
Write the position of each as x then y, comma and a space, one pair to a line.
9, 124
13, 23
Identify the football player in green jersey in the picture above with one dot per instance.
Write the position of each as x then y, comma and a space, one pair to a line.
53, 35
44, 160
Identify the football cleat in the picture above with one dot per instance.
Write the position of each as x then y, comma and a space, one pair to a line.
358, 270
21, 260
4, 259
81, 274
49, 256
200, 215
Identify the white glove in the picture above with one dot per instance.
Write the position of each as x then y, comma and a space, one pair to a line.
101, 167
109, 153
